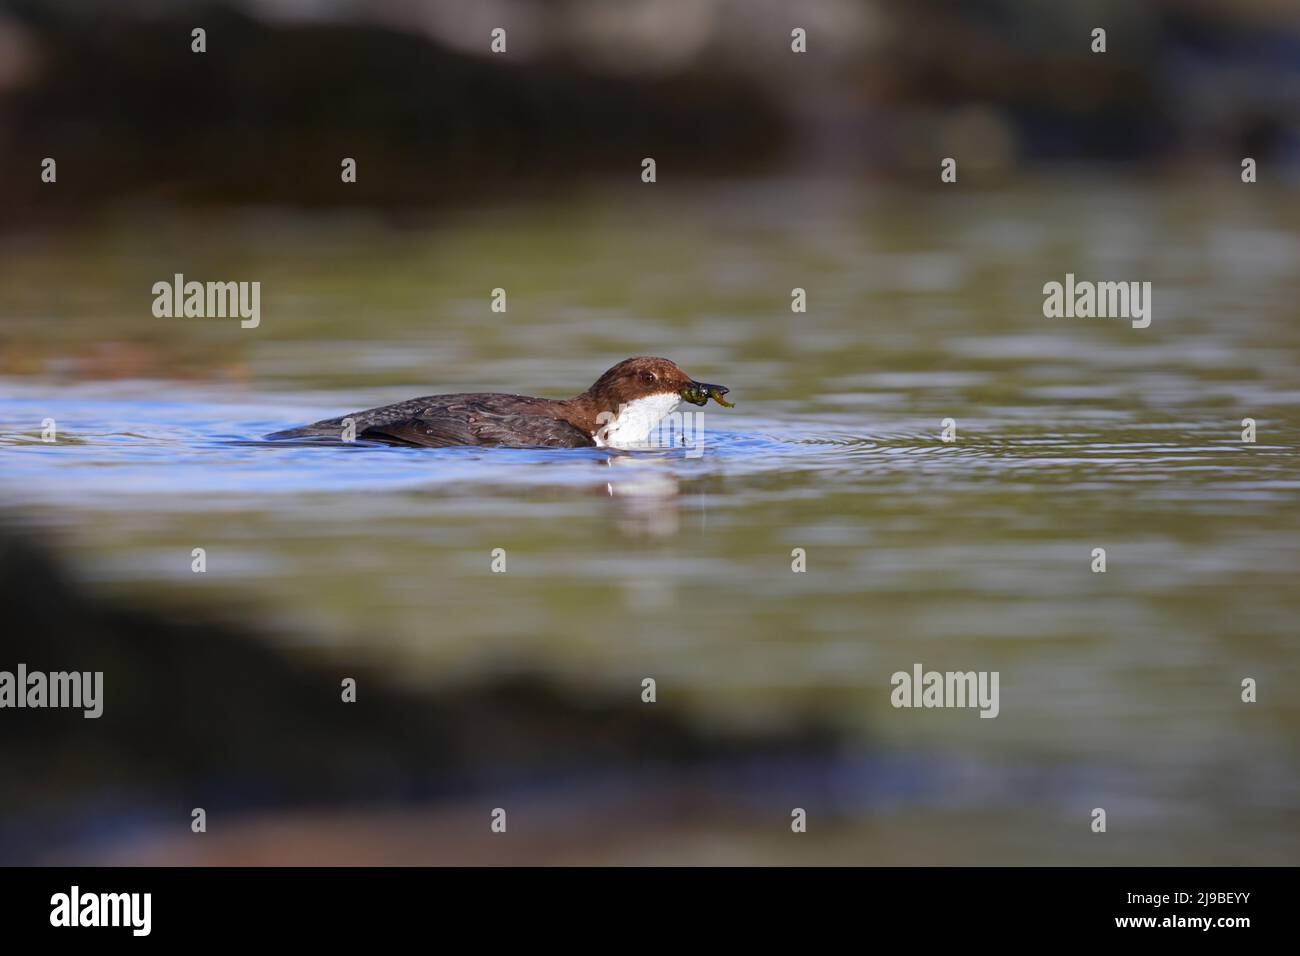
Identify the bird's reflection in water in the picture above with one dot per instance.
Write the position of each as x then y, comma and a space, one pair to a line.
646, 496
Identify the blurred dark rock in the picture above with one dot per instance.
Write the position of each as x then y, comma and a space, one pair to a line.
267, 114
200, 713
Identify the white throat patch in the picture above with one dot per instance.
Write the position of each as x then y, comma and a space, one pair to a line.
634, 422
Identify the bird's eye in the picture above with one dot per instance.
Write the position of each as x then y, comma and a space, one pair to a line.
649, 377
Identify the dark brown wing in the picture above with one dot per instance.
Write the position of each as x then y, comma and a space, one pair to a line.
470, 424
430, 407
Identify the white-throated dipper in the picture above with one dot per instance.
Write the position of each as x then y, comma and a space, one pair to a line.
620, 410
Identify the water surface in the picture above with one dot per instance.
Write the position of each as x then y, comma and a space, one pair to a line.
1119, 689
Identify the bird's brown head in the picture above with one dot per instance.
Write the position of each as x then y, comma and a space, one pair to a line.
646, 376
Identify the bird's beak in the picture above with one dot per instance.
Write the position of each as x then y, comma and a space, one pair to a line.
699, 393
